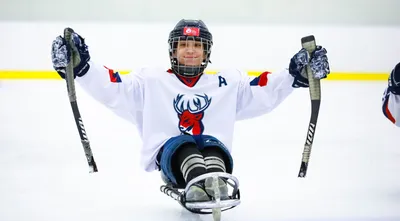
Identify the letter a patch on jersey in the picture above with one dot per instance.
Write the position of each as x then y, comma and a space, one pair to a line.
114, 76
261, 80
222, 81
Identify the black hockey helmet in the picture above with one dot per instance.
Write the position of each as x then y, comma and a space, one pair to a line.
189, 30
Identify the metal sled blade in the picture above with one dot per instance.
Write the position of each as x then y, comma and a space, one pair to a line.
216, 212
213, 204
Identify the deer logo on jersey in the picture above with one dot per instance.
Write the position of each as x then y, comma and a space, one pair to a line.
190, 113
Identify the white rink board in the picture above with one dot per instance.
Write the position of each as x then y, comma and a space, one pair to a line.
127, 46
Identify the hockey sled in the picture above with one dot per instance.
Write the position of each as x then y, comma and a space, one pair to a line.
216, 205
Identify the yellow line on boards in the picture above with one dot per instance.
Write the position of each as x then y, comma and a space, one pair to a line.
346, 76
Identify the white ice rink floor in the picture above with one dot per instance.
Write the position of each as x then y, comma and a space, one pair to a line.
354, 172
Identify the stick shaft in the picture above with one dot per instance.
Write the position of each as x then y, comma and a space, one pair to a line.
309, 44
70, 79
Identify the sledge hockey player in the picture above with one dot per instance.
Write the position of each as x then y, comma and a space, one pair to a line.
185, 117
391, 97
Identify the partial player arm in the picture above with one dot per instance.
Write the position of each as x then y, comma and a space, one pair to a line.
391, 98
264, 93
123, 94
391, 107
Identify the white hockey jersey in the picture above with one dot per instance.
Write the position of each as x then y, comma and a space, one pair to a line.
162, 106
391, 107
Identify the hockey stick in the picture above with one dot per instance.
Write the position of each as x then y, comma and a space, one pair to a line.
69, 77
309, 44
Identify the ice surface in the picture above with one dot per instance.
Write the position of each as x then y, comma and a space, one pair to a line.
354, 171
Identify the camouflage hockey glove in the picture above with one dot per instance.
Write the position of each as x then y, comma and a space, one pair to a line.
61, 55
319, 66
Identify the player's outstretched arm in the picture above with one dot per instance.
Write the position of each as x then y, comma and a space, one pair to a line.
264, 93
391, 98
121, 93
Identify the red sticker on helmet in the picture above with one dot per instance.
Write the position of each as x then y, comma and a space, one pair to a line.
191, 31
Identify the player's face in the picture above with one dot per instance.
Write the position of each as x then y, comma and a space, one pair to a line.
190, 53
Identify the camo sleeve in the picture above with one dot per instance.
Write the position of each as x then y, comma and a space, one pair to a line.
260, 95
122, 94
391, 107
